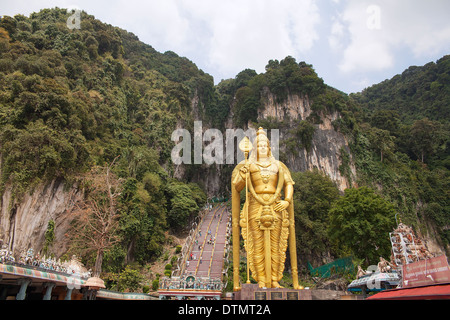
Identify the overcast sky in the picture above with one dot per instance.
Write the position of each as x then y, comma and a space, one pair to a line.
352, 44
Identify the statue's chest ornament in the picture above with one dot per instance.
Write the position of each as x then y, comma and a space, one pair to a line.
266, 171
265, 176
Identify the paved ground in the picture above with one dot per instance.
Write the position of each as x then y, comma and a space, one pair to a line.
209, 244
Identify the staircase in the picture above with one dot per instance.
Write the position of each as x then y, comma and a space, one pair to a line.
200, 269
206, 258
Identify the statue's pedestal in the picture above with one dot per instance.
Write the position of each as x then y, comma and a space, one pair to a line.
254, 292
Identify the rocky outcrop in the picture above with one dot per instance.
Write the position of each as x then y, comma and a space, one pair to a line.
23, 223
294, 107
326, 145
324, 154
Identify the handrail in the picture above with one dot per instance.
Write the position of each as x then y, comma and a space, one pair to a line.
226, 252
214, 245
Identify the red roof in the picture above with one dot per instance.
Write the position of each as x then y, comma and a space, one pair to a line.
438, 291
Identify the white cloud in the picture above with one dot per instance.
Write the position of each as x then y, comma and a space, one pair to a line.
222, 37
377, 30
370, 56
247, 34
336, 37
159, 23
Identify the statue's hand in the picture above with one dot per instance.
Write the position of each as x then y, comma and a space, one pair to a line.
281, 205
244, 170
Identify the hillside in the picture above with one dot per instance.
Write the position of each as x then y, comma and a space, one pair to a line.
405, 125
74, 101
419, 92
414, 108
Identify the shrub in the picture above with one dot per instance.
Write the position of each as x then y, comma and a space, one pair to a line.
155, 284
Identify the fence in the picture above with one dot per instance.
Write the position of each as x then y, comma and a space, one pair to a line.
338, 266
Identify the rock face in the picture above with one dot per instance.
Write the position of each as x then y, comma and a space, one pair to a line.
295, 107
326, 143
324, 154
23, 224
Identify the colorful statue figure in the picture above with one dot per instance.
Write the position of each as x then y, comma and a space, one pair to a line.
267, 218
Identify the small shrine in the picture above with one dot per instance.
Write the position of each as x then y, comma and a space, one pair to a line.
33, 276
407, 247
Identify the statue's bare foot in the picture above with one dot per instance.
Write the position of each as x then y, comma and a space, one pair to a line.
261, 284
275, 284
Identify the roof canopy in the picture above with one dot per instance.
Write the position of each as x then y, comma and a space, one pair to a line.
439, 291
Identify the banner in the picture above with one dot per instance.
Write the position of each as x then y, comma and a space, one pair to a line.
426, 272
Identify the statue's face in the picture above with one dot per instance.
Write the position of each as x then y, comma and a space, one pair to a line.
263, 148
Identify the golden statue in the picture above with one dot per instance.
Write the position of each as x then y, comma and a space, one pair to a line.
267, 217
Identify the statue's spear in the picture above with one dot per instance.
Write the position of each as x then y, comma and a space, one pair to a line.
246, 146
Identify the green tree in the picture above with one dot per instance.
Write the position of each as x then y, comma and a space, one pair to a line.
305, 132
381, 142
243, 78
360, 222
314, 194
34, 153
129, 280
182, 204
49, 236
246, 105
386, 120
143, 217
425, 138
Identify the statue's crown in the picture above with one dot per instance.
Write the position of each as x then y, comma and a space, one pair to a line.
261, 131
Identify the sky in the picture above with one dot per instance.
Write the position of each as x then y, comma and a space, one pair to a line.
352, 44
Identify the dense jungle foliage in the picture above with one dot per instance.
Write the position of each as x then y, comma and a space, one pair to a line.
402, 144
74, 99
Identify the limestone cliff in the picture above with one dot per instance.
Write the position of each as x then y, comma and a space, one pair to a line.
324, 154
326, 143
23, 223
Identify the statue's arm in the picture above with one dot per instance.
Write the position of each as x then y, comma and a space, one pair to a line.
236, 178
288, 183
288, 192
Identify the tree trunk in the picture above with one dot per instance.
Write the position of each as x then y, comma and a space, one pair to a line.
98, 263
